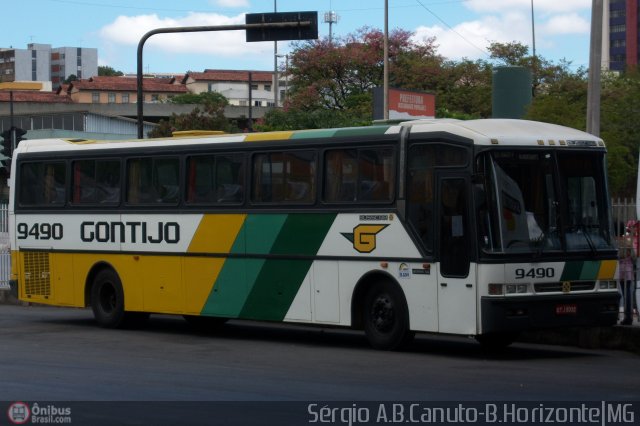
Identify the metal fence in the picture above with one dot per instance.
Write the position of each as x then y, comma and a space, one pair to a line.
5, 250
623, 210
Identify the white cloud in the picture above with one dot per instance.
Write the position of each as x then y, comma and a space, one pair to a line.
470, 39
539, 6
567, 24
128, 30
231, 3
507, 21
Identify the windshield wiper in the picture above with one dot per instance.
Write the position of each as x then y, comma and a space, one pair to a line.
587, 237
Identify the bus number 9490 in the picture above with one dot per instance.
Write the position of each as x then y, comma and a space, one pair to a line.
40, 231
535, 273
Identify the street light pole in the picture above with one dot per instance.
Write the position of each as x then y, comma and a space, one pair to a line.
385, 102
595, 66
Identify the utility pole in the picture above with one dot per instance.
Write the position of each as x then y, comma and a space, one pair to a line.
595, 67
276, 81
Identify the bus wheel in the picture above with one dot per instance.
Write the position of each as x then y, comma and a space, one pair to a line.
107, 299
496, 341
386, 318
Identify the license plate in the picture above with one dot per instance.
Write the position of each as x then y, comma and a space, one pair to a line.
567, 309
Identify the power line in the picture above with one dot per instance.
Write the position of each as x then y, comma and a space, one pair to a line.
484, 51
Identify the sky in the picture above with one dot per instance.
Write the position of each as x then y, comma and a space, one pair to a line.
463, 28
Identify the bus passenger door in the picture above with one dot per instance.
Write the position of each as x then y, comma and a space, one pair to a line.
456, 278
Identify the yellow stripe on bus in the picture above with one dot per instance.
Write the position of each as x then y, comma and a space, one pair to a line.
216, 233
269, 136
607, 269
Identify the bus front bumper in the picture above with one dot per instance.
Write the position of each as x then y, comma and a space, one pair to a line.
512, 314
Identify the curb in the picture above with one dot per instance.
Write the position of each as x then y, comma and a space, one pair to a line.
617, 337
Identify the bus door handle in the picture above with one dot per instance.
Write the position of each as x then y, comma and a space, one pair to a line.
469, 285
443, 284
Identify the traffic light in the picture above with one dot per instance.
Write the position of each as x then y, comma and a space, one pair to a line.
10, 139
19, 133
5, 152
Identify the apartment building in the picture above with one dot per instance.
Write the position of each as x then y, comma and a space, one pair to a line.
41, 62
79, 61
620, 34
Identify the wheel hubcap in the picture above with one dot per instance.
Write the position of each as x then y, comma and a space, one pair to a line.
108, 298
382, 313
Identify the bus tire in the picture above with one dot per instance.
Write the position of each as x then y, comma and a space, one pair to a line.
107, 299
386, 317
495, 342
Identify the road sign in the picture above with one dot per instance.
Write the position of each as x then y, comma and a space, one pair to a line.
301, 32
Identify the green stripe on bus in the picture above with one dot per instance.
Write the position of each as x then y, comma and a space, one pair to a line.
571, 271
361, 131
590, 270
280, 279
265, 288
237, 276
314, 134
580, 270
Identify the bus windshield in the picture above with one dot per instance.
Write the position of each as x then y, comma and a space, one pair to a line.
542, 201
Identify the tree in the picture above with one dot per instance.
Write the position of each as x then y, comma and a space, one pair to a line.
107, 71
72, 77
620, 107
208, 115
338, 76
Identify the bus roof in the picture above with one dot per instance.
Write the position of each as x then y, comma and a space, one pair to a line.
482, 132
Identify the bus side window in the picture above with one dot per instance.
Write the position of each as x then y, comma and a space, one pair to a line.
108, 181
340, 175
215, 179
166, 180
366, 174
43, 183
153, 180
280, 177
96, 181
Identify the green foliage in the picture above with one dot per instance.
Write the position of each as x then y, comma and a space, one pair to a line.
199, 98
72, 77
321, 118
208, 115
107, 71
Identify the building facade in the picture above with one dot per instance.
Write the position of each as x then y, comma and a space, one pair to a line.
79, 61
121, 90
620, 34
41, 62
234, 85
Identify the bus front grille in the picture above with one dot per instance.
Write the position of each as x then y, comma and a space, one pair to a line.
564, 287
37, 275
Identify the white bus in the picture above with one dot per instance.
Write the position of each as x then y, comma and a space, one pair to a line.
483, 228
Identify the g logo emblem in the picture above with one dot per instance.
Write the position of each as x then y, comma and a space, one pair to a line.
364, 237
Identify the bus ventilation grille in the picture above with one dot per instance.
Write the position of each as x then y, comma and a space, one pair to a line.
36, 274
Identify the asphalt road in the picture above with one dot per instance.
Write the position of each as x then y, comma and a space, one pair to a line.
58, 354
